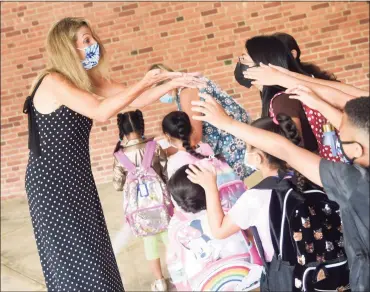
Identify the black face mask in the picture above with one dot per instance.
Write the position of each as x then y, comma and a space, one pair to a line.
238, 73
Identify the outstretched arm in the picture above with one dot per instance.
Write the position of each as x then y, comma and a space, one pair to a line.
269, 75
310, 98
300, 159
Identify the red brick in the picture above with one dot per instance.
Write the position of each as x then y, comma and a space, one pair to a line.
335, 58
146, 50
126, 13
297, 17
329, 28
314, 44
129, 6
359, 41
13, 33
320, 6
272, 4
273, 16
35, 57
209, 12
7, 29
338, 20
168, 21
86, 5
242, 29
353, 66
224, 57
157, 12
197, 39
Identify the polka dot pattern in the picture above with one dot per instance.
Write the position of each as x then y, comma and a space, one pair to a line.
317, 122
67, 217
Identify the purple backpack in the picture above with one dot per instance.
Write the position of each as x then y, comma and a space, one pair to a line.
146, 203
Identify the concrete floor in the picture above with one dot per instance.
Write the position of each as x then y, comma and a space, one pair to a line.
20, 263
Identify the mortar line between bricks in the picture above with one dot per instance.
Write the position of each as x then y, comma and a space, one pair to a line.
5, 265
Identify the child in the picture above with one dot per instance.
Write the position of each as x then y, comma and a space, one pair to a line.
177, 129
252, 208
348, 184
196, 260
131, 134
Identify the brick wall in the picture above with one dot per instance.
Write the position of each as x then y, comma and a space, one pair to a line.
204, 37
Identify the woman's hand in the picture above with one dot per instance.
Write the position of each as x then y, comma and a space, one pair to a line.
213, 112
189, 80
264, 75
203, 176
156, 75
306, 96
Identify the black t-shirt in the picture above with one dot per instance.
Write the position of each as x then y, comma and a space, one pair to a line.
282, 104
348, 185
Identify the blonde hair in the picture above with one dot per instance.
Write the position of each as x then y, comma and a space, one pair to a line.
63, 57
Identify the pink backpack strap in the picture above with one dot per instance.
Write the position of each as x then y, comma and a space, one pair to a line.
271, 109
123, 159
149, 153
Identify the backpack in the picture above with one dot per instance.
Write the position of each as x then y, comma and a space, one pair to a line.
146, 203
317, 122
306, 232
212, 264
229, 185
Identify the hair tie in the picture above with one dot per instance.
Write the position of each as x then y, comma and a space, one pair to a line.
276, 122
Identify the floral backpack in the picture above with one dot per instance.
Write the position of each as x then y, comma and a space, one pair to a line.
146, 202
317, 121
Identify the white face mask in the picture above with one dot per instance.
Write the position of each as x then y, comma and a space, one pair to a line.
247, 162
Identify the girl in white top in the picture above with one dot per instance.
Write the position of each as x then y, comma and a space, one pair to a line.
252, 208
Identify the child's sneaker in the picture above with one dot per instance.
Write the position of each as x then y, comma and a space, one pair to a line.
159, 285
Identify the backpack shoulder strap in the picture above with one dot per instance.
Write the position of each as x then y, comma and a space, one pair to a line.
259, 246
149, 153
123, 159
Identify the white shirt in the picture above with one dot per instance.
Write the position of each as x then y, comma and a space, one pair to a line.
252, 209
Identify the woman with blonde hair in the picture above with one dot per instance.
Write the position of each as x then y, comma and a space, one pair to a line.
67, 217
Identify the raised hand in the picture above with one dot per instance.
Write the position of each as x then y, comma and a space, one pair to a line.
305, 95
213, 112
203, 176
263, 75
190, 80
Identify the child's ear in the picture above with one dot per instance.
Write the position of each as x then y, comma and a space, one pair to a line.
259, 159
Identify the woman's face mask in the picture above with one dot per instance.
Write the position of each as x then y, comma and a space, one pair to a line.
92, 56
239, 77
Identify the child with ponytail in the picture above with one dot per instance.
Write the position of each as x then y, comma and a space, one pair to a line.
134, 145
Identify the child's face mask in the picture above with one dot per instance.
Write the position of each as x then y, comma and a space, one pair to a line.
92, 56
247, 160
167, 98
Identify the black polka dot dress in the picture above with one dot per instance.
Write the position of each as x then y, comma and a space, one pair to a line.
67, 217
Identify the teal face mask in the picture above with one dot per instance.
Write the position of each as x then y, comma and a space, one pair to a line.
167, 98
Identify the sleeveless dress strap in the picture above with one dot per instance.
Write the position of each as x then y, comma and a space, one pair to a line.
33, 132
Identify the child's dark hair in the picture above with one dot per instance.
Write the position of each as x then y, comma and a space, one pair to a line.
177, 125
129, 122
286, 128
189, 196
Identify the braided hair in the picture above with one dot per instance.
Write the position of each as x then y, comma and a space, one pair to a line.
286, 128
177, 125
127, 123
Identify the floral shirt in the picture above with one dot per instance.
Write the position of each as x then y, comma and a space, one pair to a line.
231, 148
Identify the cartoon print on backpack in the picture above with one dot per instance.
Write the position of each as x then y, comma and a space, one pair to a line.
194, 240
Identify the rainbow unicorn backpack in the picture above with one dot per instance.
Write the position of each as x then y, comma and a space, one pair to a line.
201, 262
